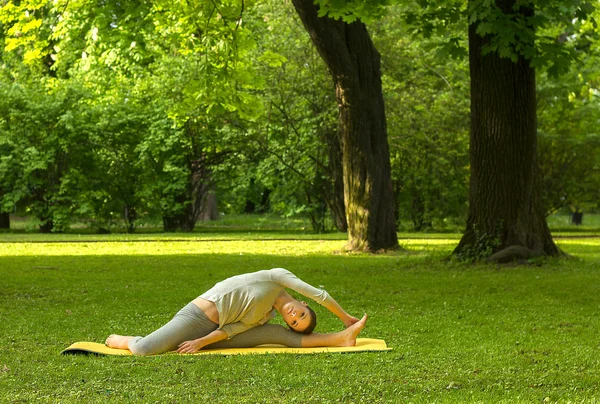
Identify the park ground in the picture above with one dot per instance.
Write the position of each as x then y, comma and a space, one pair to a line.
460, 332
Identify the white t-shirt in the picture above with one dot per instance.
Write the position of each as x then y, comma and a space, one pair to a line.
245, 301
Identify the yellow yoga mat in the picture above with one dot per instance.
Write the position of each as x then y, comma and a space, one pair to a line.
362, 345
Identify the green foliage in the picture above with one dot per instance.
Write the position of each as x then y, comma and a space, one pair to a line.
482, 247
569, 144
27, 31
444, 26
122, 113
44, 129
300, 119
428, 125
352, 10
152, 68
551, 34
114, 189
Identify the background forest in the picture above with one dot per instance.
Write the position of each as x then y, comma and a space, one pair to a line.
125, 114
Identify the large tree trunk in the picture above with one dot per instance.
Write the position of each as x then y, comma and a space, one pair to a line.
4, 220
505, 205
354, 65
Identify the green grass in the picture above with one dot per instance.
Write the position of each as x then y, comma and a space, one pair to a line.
561, 224
226, 223
460, 333
232, 225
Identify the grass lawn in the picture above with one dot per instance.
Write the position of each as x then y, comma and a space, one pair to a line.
460, 333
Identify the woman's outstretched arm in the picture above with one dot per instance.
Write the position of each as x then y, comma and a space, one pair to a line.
291, 281
333, 306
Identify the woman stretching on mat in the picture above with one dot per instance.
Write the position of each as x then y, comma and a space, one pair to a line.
234, 313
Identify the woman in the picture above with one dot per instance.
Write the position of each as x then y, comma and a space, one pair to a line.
237, 310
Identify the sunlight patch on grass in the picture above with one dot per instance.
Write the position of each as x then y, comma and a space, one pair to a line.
296, 248
579, 241
241, 247
428, 244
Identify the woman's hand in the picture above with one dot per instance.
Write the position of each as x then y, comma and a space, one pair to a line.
198, 344
350, 320
190, 346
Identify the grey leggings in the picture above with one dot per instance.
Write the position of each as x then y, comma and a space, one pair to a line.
191, 323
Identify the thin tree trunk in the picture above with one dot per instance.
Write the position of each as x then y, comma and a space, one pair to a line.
210, 209
170, 224
198, 190
129, 216
505, 205
354, 64
46, 225
4, 220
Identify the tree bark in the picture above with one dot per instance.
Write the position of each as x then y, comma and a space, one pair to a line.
577, 217
210, 210
129, 216
46, 225
505, 205
4, 220
354, 64
199, 185
335, 193
170, 224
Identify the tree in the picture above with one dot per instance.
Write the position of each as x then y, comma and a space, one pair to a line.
114, 187
506, 218
8, 170
354, 64
508, 40
46, 132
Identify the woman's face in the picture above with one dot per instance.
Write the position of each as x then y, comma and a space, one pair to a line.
296, 315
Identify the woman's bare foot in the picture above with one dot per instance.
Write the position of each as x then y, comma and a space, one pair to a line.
117, 341
348, 336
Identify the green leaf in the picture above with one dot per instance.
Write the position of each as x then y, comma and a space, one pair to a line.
272, 59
